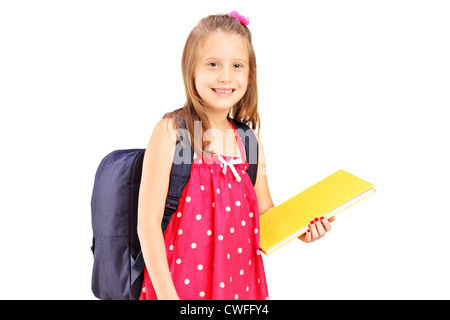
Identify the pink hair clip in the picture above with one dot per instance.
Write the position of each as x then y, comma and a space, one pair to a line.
244, 20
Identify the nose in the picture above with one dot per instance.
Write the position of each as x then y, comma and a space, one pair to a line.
224, 75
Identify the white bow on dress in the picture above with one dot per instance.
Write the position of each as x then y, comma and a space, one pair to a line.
231, 164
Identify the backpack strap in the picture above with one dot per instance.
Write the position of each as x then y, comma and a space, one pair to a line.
181, 170
251, 148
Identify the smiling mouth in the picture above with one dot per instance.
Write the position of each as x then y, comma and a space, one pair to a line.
223, 91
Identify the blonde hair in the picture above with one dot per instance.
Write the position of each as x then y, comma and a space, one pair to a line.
245, 110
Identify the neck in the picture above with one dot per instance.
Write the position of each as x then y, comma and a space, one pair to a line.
218, 119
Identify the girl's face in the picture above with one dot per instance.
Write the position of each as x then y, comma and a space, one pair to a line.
221, 76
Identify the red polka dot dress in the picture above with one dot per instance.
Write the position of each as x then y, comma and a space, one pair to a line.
212, 240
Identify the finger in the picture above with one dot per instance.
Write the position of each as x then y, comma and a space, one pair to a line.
326, 224
306, 237
314, 233
320, 229
331, 219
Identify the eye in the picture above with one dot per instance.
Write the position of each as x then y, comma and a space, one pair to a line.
213, 64
238, 66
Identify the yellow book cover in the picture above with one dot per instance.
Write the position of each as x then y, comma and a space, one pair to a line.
326, 198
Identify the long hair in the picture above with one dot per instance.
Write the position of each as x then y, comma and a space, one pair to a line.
245, 110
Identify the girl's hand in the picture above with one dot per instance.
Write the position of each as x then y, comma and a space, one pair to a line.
317, 229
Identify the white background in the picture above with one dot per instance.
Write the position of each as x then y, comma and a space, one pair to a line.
356, 85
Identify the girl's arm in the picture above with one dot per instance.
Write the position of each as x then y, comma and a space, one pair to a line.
261, 186
156, 168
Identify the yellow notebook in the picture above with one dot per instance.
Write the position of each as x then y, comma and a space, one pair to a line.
326, 198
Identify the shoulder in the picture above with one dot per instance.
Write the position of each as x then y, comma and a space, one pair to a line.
164, 127
163, 140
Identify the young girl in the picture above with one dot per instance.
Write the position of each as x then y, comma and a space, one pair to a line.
210, 249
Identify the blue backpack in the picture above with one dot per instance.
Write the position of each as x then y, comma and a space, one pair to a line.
118, 263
